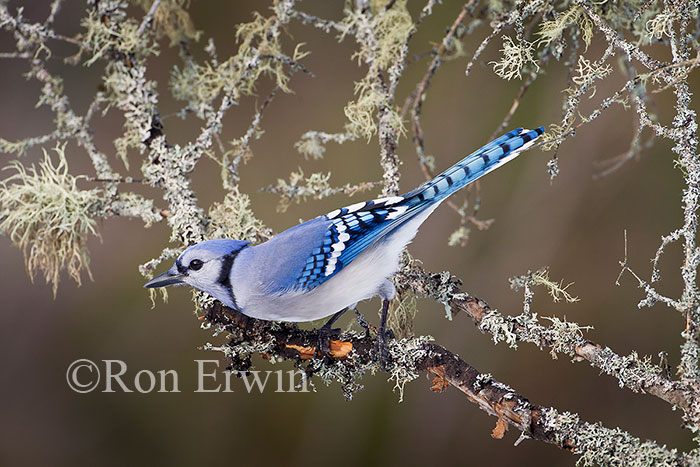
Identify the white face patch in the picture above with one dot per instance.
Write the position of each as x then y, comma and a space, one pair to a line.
207, 267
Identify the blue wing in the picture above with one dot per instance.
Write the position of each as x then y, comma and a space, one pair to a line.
354, 228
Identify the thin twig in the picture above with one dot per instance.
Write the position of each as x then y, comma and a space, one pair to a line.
148, 19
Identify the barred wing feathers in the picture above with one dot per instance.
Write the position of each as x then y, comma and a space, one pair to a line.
356, 227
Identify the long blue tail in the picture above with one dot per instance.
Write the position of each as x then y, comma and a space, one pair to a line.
355, 227
475, 165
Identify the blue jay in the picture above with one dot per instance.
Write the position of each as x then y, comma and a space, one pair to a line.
325, 266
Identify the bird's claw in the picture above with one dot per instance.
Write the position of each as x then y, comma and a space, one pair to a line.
323, 341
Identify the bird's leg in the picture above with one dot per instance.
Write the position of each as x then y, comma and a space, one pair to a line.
323, 345
383, 335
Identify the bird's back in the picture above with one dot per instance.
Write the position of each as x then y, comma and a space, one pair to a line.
314, 269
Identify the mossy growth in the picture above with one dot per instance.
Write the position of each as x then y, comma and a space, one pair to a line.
553, 30
48, 217
171, 19
259, 54
405, 354
402, 312
598, 445
517, 55
118, 37
382, 36
233, 218
299, 188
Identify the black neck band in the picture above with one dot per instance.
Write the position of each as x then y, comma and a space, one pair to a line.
225, 276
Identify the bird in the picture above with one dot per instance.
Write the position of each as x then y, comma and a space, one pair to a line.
325, 266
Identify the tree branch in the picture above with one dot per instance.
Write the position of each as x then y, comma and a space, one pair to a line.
636, 374
353, 354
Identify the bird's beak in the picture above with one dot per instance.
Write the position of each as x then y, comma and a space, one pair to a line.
165, 279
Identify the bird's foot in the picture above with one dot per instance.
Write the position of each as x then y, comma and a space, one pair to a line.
323, 341
325, 332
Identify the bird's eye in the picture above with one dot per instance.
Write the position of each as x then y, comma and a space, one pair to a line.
196, 264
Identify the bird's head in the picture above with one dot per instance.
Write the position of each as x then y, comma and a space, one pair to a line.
204, 266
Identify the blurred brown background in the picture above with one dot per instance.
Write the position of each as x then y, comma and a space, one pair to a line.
574, 224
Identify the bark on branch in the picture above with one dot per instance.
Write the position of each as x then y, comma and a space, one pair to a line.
353, 354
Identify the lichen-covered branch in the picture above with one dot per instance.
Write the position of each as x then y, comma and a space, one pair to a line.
49, 214
352, 356
561, 337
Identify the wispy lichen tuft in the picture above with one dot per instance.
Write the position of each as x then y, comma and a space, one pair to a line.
103, 37
553, 30
516, 56
382, 37
588, 72
317, 186
402, 312
233, 218
48, 217
405, 353
459, 237
259, 54
172, 20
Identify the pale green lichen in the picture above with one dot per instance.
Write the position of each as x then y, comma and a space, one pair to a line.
310, 148
565, 335
557, 290
186, 218
597, 445
445, 292
405, 355
361, 112
402, 313
631, 370
459, 237
20, 147
133, 94
588, 72
244, 348
133, 205
312, 143
481, 381
382, 37
103, 36
300, 188
172, 20
516, 56
147, 270
500, 328
259, 54
348, 372
551, 31
233, 218
48, 217
661, 25
561, 337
